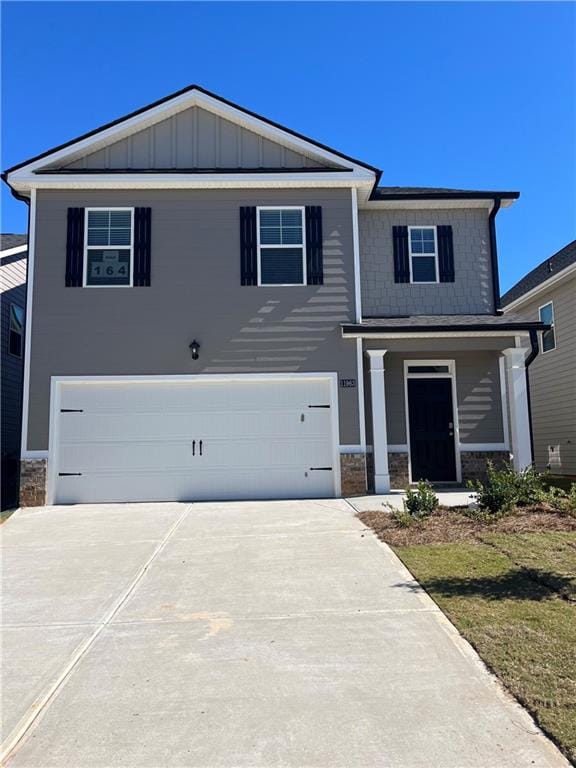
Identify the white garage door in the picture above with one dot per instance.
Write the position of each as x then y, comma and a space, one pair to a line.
193, 439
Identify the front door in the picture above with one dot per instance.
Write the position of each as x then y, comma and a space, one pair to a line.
431, 421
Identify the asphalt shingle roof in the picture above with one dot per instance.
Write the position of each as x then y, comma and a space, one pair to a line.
554, 264
391, 193
10, 240
442, 323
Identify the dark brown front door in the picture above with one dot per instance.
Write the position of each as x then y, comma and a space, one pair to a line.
430, 416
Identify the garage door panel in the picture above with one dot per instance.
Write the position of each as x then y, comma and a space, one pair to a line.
133, 441
92, 426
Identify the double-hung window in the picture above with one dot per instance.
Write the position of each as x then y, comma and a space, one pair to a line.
546, 313
109, 246
16, 330
281, 246
423, 255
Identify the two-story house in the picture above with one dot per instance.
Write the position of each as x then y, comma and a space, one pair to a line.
220, 307
548, 293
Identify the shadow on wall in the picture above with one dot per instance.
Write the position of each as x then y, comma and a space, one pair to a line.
280, 337
479, 399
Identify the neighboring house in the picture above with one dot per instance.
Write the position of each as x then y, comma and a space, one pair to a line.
13, 255
548, 293
224, 308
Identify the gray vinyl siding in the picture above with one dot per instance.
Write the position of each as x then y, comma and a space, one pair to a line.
194, 138
478, 390
195, 293
553, 380
13, 285
470, 293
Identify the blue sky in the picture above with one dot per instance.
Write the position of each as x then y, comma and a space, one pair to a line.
472, 95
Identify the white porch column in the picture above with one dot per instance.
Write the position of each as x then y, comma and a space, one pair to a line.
379, 429
519, 416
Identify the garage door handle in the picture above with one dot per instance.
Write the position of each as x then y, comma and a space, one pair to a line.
320, 469
193, 447
200, 447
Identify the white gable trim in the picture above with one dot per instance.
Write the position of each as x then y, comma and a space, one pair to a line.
193, 98
12, 251
345, 179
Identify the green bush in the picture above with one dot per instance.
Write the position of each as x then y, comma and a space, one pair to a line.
420, 502
505, 488
560, 500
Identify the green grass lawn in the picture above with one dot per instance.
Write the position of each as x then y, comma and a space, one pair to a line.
512, 595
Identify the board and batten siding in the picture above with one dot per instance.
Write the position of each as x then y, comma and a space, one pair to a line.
195, 293
194, 138
471, 291
553, 382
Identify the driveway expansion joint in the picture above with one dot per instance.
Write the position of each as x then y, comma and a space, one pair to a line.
39, 707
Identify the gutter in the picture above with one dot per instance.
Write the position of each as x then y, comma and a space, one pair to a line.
494, 254
532, 355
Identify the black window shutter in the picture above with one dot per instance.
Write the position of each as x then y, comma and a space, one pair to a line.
401, 257
445, 253
142, 246
314, 258
75, 248
248, 246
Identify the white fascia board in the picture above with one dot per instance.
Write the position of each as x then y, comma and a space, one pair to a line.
548, 283
345, 179
154, 115
436, 335
375, 205
12, 251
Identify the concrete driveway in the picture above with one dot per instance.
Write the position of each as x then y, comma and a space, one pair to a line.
236, 634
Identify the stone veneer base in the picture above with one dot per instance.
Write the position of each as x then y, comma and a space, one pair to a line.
353, 474
33, 482
474, 463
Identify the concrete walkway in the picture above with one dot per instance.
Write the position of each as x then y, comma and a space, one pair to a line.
241, 634
453, 497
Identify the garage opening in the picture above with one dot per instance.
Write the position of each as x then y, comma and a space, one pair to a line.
193, 438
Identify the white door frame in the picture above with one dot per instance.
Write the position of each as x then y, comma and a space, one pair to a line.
451, 374
56, 383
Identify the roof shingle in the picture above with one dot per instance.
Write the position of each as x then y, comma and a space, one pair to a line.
551, 266
10, 240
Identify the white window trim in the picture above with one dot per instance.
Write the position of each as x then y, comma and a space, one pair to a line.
22, 332
553, 327
418, 255
301, 208
85, 283
450, 375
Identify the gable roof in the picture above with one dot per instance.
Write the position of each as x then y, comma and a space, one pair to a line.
549, 268
193, 95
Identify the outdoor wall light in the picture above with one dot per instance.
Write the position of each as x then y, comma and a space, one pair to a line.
194, 348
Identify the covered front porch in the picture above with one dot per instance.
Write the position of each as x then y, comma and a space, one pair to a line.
443, 397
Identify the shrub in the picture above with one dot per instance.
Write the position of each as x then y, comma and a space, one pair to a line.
506, 488
420, 502
560, 500
528, 485
496, 495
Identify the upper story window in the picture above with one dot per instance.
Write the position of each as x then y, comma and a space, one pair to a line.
109, 246
423, 255
16, 331
281, 246
548, 340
